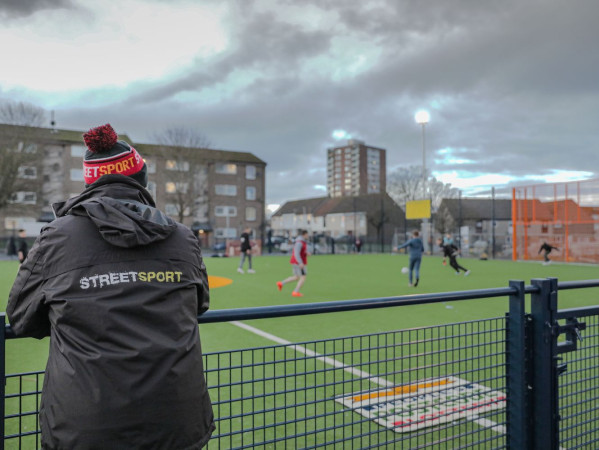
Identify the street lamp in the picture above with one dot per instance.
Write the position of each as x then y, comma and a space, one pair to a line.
422, 117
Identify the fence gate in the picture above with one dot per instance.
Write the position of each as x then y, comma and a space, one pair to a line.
554, 394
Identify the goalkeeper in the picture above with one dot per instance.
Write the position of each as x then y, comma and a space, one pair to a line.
451, 251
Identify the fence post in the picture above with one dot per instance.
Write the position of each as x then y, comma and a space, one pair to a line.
3, 380
517, 383
544, 398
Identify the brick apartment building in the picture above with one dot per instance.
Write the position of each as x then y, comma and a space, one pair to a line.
356, 169
217, 193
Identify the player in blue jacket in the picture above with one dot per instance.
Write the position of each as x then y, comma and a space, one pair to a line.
415, 249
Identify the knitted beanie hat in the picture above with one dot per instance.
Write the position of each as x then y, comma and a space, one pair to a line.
106, 154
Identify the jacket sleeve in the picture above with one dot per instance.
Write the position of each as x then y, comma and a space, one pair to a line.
404, 245
27, 310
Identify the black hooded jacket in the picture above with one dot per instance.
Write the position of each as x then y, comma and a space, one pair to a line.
117, 286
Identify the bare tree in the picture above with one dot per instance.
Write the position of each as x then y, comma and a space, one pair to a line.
378, 219
22, 113
406, 184
188, 175
18, 149
444, 222
182, 137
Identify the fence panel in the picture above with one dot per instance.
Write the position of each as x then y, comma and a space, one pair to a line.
22, 401
416, 388
565, 215
579, 388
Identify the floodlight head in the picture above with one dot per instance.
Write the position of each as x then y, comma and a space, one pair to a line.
422, 117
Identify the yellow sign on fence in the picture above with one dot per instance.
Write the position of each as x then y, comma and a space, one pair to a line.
418, 209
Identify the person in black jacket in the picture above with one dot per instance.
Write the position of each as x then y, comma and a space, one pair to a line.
246, 251
118, 286
546, 249
22, 247
11, 247
451, 251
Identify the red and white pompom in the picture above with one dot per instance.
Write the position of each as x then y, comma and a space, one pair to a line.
100, 139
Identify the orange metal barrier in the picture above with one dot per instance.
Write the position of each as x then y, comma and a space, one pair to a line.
564, 215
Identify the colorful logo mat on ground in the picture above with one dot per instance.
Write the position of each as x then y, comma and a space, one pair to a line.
216, 282
425, 403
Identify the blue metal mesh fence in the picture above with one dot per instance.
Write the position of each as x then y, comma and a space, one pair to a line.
579, 391
23, 395
416, 388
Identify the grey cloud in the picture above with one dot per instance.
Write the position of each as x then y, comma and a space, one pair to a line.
261, 44
23, 8
515, 84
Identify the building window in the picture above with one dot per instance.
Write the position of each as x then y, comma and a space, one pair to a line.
230, 233
152, 188
27, 147
180, 166
250, 172
250, 193
27, 172
171, 209
77, 175
151, 165
225, 189
173, 188
225, 211
250, 213
27, 198
78, 151
227, 169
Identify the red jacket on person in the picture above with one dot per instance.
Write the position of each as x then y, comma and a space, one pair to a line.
303, 251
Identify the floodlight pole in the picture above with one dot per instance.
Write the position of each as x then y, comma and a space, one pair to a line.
422, 117
423, 160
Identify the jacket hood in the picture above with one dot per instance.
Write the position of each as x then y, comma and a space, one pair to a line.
122, 210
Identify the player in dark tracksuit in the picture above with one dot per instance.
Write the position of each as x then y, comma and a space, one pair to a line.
546, 249
451, 251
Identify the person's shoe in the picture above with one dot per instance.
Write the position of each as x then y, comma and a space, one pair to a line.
279, 285
251, 271
466, 273
410, 285
417, 280
297, 294
458, 272
240, 270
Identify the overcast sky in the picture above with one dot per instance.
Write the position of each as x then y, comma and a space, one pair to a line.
512, 86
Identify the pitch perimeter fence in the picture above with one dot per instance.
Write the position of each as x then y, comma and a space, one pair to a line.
564, 215
524, 380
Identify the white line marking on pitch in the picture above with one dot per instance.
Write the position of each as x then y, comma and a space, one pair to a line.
486, 423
